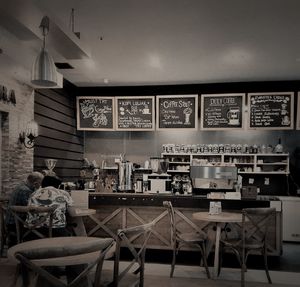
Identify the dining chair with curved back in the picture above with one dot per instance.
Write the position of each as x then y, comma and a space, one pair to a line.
253, 238
23, 228
125, 238
3, 231
180, 239
41, 254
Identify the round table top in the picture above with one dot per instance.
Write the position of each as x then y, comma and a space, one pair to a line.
221, 217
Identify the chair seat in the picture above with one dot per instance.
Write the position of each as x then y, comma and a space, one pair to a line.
192, 237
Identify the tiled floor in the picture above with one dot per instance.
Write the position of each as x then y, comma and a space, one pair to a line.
285, 272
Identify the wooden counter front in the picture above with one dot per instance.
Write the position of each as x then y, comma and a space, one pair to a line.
121, 210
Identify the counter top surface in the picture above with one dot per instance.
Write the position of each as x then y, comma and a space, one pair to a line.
190, 201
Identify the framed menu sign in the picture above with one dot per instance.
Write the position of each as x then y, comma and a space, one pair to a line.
135, 113
177, 112
95, 113
271, 110
298, 113
222, 111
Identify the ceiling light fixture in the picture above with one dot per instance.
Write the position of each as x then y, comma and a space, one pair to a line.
44, 71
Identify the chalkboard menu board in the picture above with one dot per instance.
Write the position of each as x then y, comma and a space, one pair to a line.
135, 113
95, 113
271, 110
222, 111
298, 113
177, 112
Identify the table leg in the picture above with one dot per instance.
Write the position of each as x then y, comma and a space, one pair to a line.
217, 247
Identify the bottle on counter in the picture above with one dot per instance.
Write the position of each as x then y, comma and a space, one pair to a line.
278, 148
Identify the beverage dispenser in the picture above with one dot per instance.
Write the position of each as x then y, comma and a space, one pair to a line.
125, 176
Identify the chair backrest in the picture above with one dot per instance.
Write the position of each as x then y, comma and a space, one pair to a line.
45, 217
124, 239
63, 251
256, 222
3, 232
171, 212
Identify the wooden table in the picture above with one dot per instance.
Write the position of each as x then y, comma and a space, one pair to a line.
76, 215
219, 219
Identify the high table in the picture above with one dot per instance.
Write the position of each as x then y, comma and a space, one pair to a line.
219, 219
76, 217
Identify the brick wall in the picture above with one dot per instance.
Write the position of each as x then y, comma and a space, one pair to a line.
16, 160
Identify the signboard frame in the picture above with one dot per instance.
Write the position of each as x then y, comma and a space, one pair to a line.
298, 112
195, 119
78, 110
229, 95
137, 98
290, 126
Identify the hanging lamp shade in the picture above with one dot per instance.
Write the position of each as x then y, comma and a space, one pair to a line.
44, 71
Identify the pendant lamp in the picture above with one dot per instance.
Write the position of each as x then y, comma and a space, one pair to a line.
44, 71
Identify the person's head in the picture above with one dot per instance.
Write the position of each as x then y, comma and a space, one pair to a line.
34, 179
51, 181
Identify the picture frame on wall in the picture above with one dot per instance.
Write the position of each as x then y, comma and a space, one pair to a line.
136, 113
95, 113
271, 111
222, 112
177, 112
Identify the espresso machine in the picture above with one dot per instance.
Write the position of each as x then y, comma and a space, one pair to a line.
159, 181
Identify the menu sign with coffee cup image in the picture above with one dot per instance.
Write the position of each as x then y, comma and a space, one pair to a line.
95, 113
222, 111
135, 113
177, 112
271, 110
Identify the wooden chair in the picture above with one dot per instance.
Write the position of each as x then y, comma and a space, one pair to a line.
253, 238
178, 240
3, 231
38, 255
23, 229
124, 239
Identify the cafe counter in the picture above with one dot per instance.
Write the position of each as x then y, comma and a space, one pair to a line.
120, 210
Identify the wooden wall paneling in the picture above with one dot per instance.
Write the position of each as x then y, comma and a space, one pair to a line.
58, 154
55, 124
48, 102
60, 135
55, 111
57, 96
53, 114
43, 141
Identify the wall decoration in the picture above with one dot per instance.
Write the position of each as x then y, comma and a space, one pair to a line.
222, 111
271, 111
95, 113
135, 113
177, 112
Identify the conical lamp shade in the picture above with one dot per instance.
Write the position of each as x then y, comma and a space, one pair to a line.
44, 70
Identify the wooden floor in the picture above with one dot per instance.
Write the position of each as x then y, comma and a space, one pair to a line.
284, 273
184, 276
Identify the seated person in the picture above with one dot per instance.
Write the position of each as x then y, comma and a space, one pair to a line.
20, 196
50, 195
